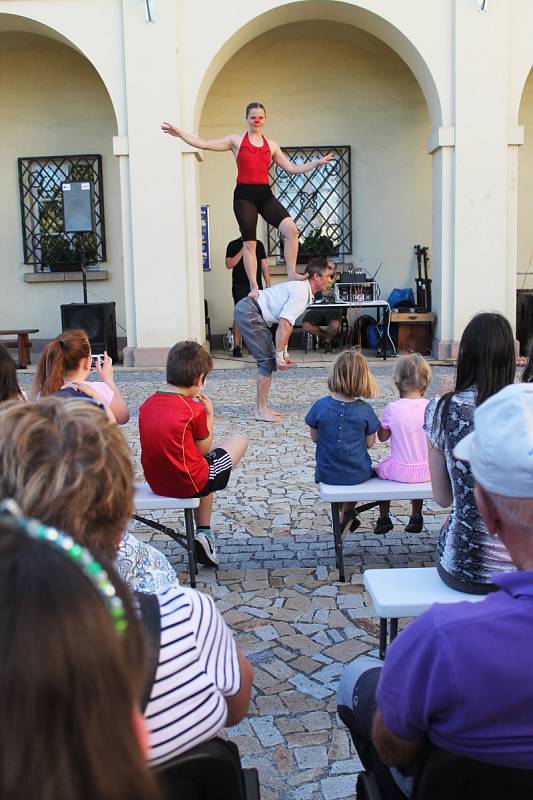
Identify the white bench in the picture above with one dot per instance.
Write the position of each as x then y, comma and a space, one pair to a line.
146, 500
370, 493
407, 593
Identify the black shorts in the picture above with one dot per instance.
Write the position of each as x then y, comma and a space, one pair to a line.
252, 199
240, 291
220, 466
322, 316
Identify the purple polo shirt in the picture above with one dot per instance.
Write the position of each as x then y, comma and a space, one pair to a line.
462, 674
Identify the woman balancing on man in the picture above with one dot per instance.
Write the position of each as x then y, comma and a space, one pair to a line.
253, 195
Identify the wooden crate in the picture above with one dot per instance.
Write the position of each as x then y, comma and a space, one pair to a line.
415, 331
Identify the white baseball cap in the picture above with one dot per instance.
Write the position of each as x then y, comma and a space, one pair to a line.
500, 449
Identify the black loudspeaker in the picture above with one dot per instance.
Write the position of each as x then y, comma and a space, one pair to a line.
524, 319
78, 216
99, 323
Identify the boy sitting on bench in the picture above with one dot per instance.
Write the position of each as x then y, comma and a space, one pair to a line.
176, 432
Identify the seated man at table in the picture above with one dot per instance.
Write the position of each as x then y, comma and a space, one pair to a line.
318, 318
459, 676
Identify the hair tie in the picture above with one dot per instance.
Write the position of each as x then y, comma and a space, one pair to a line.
80, 555
61, 344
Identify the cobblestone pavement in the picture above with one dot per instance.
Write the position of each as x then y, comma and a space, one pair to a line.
277, 582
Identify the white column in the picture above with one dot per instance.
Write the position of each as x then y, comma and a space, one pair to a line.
481, 161
158, 294
516, 138
441, 148
193, 243
120, 149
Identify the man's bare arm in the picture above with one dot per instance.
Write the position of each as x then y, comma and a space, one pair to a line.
393, 750
283, 334
232, 261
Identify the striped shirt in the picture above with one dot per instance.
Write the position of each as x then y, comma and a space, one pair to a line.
198, 668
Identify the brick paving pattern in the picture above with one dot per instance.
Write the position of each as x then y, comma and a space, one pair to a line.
277, 582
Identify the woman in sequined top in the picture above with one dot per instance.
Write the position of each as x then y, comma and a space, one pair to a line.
467, 555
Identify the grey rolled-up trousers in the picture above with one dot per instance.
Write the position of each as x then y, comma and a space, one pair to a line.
257, 335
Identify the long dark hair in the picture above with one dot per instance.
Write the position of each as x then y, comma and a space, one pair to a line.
527, 375
9, 387
486, 361
63, 354
69, 683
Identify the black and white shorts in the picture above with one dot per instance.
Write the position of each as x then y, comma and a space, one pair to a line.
220, 465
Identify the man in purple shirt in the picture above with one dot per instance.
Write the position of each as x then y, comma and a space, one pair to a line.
459, 676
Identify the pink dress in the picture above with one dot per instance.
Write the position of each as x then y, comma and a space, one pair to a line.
408, 461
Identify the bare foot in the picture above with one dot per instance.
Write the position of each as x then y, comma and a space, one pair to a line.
296, 276
268, 415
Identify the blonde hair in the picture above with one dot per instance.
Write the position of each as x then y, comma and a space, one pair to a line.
412, 372
350, 376
65, 464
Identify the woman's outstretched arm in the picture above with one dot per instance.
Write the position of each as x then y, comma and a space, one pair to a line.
226, 143
279, 158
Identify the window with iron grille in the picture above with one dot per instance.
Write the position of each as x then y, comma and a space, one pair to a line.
46, 246
320, 202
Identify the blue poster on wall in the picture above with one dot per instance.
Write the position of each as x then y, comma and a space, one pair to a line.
206, 250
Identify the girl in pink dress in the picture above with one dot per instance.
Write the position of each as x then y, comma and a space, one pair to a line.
402, 422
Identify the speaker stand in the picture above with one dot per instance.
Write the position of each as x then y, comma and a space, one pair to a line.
83, 272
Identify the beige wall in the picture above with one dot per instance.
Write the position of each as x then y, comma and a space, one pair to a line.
327, 84
525, 190
53, 103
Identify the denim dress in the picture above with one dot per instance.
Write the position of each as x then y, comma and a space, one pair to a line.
342, 457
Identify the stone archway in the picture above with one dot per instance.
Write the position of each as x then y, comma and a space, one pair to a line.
55, 104
355, 22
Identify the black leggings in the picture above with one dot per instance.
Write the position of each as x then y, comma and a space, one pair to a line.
252, 199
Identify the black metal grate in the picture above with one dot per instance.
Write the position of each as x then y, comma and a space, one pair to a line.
46, 246
320, 202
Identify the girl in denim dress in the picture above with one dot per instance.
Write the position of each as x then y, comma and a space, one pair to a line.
343, 427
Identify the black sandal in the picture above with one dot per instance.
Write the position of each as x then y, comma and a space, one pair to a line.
415, 524
383, 525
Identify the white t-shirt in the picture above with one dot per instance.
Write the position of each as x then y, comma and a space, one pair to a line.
285, 301
198, 668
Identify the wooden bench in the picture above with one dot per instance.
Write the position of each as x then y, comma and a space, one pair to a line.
22, 343
408, 592
370, 493
146, 500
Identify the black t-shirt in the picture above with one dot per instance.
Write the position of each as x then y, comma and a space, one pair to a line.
239, 276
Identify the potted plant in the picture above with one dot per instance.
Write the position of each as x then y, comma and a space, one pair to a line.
317, 243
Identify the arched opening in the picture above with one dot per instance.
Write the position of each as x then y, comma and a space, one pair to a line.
54, 103
328, 83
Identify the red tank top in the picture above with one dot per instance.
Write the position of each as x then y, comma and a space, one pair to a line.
253, 162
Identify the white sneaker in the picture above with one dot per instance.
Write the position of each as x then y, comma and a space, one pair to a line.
205, 549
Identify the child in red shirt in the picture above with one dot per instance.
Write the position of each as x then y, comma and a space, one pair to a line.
176, 431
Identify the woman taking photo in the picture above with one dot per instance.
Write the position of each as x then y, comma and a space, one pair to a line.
466, 554
253, 196
71, 674
66, 362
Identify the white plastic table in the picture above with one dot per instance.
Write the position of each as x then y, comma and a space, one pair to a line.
407, 593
